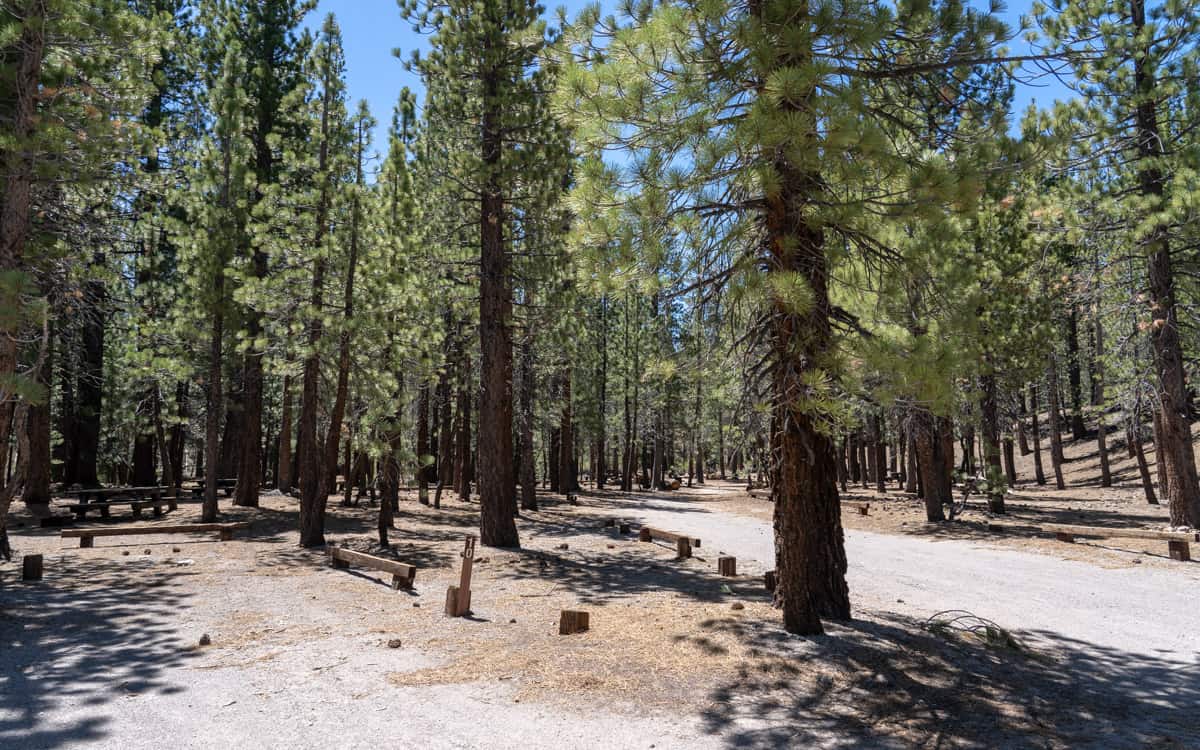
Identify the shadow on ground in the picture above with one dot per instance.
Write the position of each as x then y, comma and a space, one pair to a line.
884, 682
93, 632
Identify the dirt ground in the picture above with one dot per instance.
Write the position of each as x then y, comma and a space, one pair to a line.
105, 651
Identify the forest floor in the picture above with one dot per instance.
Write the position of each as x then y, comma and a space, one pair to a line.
104, 651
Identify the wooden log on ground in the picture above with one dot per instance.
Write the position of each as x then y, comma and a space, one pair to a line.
1178, 542
572, 621
727, 566
649, 534
86, 537
403, 574
31, 568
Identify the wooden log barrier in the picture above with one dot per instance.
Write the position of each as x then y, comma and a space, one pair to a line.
572, 621
403, 574
1178, 542
31, 568
87, 537
649, 534
727, 566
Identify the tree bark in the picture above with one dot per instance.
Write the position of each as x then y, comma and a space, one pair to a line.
991, 442
1039, 472
1056, 450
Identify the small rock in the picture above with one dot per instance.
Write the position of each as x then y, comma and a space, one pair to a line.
612, 546
737, 605
125, 552
899, 601
481, 561
205, 640
416, 604
1137, 561
512, 620
563, 546
174, 549
394, 643
145, 552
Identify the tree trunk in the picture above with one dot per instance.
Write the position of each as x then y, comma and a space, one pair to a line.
35, 489
528, 387
1175, 451
286, 480
933, 463
1075, 380
1056, 450
991, 442
1039, 472
567, 481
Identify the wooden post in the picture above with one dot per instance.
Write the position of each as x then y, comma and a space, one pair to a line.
644, 535
862, 509
623, 528
572, 621
226, 535
87, 541
333, 560
31, 568
727, 566
769, 580
683, 547
458, 598
1180, 551
1064, 537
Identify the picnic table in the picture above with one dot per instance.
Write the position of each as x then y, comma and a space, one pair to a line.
225, 485
101, 494
103, 498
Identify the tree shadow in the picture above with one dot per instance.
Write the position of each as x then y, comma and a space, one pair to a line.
885, 682
88, 635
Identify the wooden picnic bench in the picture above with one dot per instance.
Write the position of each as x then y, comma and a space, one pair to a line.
683, 544
403, 574
1178, 542
81, 509
101, 494
87, 537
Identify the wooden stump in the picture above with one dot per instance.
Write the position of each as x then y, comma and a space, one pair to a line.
572, 621
609, 523
227, 535
458, 602
333, 561
87, 541
683, 547
769, 580
571, 499
623, 528
862, 509
1064, 537
458, 598
644, 535
1179, 551
727, 566
31, 568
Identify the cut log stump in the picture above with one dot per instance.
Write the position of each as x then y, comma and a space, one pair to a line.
644, 535
769, 580
683, 547
1060, 536
31, 568
623, 528
572, 621
727, 566
1180, 551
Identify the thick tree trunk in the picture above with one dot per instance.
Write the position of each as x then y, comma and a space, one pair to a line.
1098, 397
933, 463
497, 480
90, 388
35, 489
214, 406
600, 467
1175, 451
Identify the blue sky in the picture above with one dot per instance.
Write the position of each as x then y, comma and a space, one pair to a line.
373, 28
